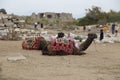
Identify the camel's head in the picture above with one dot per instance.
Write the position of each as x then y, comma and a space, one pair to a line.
92, 35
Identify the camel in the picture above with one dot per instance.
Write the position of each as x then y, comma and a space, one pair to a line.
34, 43
67, 49
58, 46
86, 44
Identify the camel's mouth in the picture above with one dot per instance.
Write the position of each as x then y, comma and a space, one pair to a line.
92, 35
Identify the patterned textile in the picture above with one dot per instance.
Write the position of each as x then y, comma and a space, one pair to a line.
62, 44
31, 43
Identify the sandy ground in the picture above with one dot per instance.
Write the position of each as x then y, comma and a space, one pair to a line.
101, 62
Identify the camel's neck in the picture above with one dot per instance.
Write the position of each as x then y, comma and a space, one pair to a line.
86, 44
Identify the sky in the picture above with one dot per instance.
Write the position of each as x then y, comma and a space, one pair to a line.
76, 7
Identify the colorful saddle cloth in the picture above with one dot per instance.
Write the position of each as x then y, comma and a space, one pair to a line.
31, 43
62, 44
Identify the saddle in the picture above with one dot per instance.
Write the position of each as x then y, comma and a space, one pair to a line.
31, 43
62, 44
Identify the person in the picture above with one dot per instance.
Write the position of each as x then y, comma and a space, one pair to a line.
116, 31
101, 34
5, 25
38, 25
41, 25
84, 28
101, 26
105, 28
113, 28
89, 28
35, 25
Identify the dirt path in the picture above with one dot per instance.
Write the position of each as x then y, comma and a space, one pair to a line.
101, 62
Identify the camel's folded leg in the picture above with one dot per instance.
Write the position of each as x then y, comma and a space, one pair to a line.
76, 51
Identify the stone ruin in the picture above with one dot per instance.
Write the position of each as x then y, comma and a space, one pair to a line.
51, 17
8, 25
13, 27
53, 20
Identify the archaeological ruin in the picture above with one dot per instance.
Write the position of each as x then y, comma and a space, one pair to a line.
52, 17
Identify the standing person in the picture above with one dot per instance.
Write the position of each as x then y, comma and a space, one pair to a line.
113, 28
84, 28
35, 25
105, 29
41, 25
101, 26
38, 25
101, 34
89, 28
116, 30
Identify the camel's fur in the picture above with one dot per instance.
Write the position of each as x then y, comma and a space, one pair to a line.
91, 36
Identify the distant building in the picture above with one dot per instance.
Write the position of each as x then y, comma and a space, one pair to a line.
63, 17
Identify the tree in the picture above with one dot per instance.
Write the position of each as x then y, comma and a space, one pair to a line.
3, 11
96, 15
93, 16
113, 16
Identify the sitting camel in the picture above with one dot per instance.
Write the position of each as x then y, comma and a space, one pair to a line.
34, 43
57, 46
61, 46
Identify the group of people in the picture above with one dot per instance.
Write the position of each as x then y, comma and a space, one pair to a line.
38, 25
86, 27
104, 28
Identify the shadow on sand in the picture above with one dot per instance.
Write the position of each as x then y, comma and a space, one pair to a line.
63, 54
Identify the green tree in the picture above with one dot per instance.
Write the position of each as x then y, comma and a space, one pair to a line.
3, 11
93, 16
113, 16
96, 15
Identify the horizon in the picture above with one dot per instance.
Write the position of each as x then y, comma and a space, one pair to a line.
76, 7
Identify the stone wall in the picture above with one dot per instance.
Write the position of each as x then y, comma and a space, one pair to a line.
64, 17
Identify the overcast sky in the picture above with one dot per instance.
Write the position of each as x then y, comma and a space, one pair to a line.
76, 7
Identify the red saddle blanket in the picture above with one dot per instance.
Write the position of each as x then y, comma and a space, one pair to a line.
62, 44
31, 43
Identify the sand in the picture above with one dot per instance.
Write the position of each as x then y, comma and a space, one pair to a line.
101, 62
